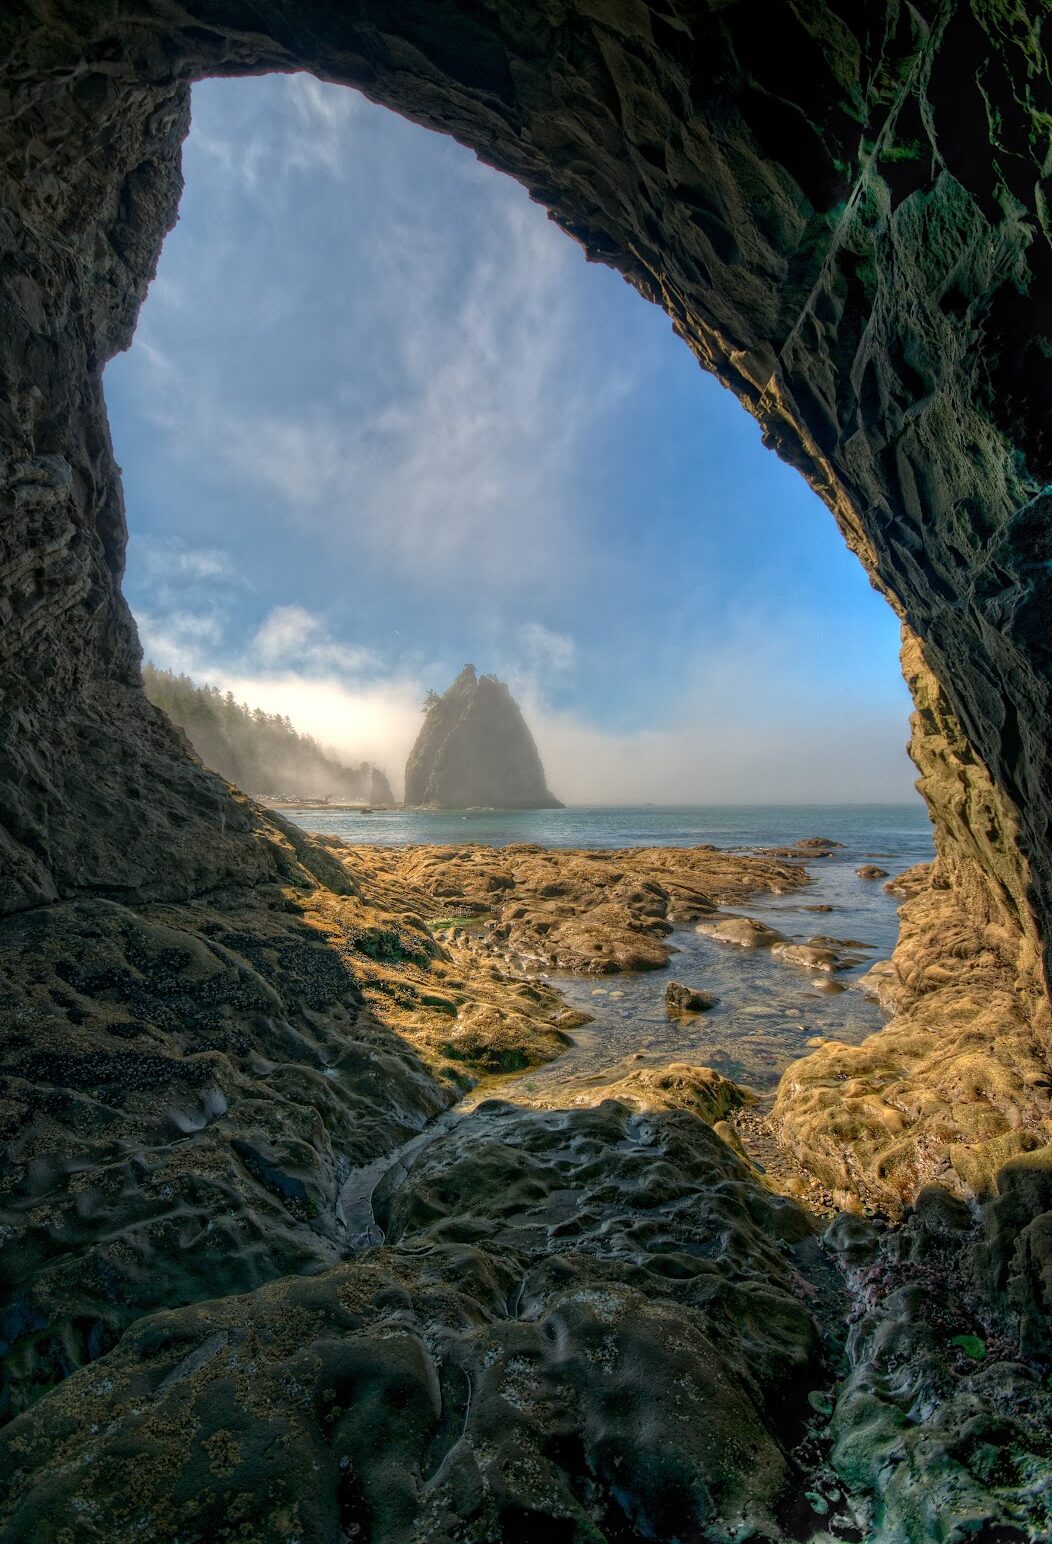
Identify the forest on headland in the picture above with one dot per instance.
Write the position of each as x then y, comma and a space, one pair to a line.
261, 752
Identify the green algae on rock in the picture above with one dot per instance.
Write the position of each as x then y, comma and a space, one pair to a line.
950, 1444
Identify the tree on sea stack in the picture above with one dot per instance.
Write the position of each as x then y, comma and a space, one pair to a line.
474, 750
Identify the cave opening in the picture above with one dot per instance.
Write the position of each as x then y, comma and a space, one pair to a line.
604, 1321
378, 417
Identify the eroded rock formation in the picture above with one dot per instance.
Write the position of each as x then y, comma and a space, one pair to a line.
475, 751
960, 1082
593, 912
845, 212
845, 217
548, 1348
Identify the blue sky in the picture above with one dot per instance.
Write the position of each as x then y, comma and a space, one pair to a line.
380, 417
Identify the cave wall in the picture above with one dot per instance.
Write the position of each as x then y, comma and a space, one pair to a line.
976, 833
843, 207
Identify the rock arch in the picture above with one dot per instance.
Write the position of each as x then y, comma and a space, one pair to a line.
845, 210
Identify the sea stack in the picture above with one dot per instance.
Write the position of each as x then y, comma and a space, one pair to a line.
474, 750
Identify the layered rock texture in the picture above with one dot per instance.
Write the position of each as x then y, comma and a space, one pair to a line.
475, 751
960, 1081
210, 1023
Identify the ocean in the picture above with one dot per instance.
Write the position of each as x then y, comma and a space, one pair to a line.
767, 1010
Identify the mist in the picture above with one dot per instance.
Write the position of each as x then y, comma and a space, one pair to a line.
708, 750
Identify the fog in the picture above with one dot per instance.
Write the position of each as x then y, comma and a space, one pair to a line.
708, 757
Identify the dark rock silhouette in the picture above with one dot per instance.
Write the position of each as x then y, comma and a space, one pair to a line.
475, 750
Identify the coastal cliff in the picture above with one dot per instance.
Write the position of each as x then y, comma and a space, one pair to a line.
475, 751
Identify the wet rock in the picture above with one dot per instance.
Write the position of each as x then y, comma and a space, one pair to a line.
744, 932
810, 956
686, 999
589, 912
572, 1018
871, 871
1010, 1269
951, 1089
911, 881
185, 1088
809, 847
676, 1086
580, 1320
822, 953
978, 1464
882, 981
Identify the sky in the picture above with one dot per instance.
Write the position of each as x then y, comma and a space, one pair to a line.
380, 418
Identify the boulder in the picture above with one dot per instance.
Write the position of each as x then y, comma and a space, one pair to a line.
684, 999
810, 956
746, 932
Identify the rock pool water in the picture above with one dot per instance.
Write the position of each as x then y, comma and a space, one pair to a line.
766, 1010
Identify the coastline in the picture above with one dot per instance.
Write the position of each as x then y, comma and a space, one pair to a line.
336, 1190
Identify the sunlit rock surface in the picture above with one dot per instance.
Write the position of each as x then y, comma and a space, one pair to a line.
474, 750
960, 1081
594, 912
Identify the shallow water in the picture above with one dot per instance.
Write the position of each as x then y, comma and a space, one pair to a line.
767, 1010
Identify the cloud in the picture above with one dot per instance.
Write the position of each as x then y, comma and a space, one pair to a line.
450, 449
751, 718
850, 760
263, 153
467, 473
545, 649
182, 641
292, 636
167, 560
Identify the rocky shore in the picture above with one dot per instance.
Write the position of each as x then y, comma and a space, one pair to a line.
590, 912
253, 1257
